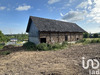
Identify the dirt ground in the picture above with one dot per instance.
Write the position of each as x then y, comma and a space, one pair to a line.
61, 62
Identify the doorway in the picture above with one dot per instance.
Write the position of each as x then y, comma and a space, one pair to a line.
43, 40
66, 37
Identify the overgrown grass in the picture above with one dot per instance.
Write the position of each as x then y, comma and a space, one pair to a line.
4, 52
29, 46
89, 40
44, 46
1, 45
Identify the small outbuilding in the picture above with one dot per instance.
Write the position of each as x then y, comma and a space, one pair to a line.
42, 30
13, 40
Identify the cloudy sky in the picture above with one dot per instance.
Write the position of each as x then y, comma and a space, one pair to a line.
14, 14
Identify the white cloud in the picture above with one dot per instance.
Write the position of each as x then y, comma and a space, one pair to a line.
68, 4
73, 16
53, 1
61, 14
65, 6
82, 5
94, 30
94, 13
24, 7
2, 8
93, 9
70, 1
89, 2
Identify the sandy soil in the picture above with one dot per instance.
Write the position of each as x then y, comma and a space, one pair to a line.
62, 62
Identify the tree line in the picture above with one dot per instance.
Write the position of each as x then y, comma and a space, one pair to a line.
89, 35
6, 38
24, 36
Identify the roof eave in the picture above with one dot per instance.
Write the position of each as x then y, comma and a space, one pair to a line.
28, 25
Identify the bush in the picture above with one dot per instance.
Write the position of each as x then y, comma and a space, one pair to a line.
42, 46
49, 46
95, 35
57, 46
1, 46
98, 41
86, 35
87, 42
65, 43
5, 52
93, 41
81, 41
29, 46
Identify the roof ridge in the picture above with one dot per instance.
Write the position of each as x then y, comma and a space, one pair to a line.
44, 24
51, 19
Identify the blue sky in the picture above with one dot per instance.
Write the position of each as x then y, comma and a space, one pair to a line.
14, 14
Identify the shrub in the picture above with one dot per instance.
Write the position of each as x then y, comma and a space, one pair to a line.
1, 46
95, 35
87, 42
93, 41
81, 41
57, 46
42, 46
65, 43
29, 46
49, 46
5, 52
86, 35
98, 41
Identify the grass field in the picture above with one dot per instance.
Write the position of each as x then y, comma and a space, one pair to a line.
62, 62
92, 38
1, 46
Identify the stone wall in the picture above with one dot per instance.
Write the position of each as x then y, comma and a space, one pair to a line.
54, 37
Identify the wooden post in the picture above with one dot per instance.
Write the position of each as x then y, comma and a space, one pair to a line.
70, 39
58, 37
50, 36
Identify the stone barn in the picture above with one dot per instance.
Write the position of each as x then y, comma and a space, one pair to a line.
42, 30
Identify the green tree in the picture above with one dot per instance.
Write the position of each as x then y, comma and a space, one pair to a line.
20, 37
86, 35
2, 37
95, 35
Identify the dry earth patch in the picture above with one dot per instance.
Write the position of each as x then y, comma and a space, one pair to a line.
62, 62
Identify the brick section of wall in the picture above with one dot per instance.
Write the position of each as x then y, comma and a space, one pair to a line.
53, 37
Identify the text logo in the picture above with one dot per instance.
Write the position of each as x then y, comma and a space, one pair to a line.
94, 63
